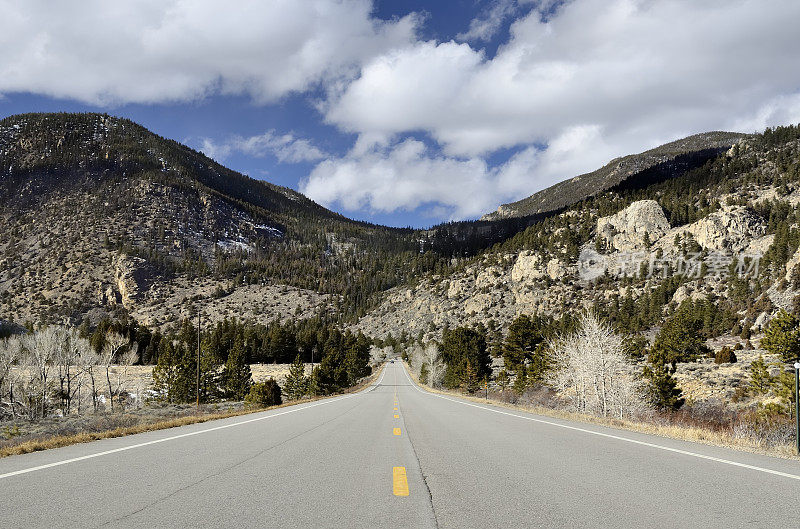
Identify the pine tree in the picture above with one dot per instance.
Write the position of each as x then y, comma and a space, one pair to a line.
782, 336
680, 339
502, 379
760, 379
236, 375
470, 382
460, 346
662, 388
521, 382
423, 374
296, 385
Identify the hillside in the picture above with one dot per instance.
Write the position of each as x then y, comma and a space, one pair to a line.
100, 216
663, 162
723, 236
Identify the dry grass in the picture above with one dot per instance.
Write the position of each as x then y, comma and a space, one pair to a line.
705, 436
58, 441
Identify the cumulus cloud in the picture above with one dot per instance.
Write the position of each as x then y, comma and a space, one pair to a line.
407, 174
575, 84
588, 81
655, 69
285, 147
176, 50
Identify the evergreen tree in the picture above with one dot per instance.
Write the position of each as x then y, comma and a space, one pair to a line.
502, 379
782, 336
165, 373
522, 340
470, 382
680, 339
236, 375
521, 382
662, 388
760, 379
296, 384
423, 374
462, 345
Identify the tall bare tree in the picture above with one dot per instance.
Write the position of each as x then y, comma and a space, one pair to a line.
41, 348
10, 352
89, 365
115, 345
68, 356
126, 360
593, 371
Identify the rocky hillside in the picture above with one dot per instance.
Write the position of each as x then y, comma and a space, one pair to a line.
99, 216
666, 161
726, 233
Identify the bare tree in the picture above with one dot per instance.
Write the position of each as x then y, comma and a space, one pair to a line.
592, 370
89, 365
433, 360
41, 349
113, 348
68, 356
10, 352
128, 358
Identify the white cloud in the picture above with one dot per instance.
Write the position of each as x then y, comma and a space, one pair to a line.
285, 147
407, 175
574, 86
486, 26
640, 69
176, 50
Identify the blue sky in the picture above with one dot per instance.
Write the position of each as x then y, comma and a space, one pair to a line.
409, 113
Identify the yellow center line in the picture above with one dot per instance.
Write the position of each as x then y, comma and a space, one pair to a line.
395, 408
396, 416
399, 481
397, 431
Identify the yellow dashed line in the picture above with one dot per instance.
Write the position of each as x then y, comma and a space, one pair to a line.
395, 408
396, 416
400, 481
397, 431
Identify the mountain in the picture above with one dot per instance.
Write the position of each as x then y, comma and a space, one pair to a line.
657, 164
98, 215
101, 218
723, 235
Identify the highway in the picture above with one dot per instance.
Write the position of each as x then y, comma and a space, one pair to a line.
395, 455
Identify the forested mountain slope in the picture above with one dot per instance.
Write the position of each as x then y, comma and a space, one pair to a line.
663, 162
97, 213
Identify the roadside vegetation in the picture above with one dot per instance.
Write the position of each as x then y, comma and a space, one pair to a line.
580, 367
61, 381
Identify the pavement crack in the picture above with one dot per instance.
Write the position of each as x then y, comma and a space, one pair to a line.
424, 478
228, 468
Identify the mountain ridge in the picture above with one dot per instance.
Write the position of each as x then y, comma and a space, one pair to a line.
670, 158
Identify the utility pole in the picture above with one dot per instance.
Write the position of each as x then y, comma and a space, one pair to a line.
198, 359
797, 405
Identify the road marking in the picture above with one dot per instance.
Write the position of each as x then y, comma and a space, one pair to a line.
399, 481
181, 436
395, 408
397, 431
396, 416
611, 436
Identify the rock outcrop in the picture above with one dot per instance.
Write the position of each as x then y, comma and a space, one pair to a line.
635, 227
729, 230
133, 277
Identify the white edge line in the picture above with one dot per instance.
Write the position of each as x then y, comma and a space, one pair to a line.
610, 436
180, 436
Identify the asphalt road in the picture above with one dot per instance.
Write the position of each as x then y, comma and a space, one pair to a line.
434, 461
